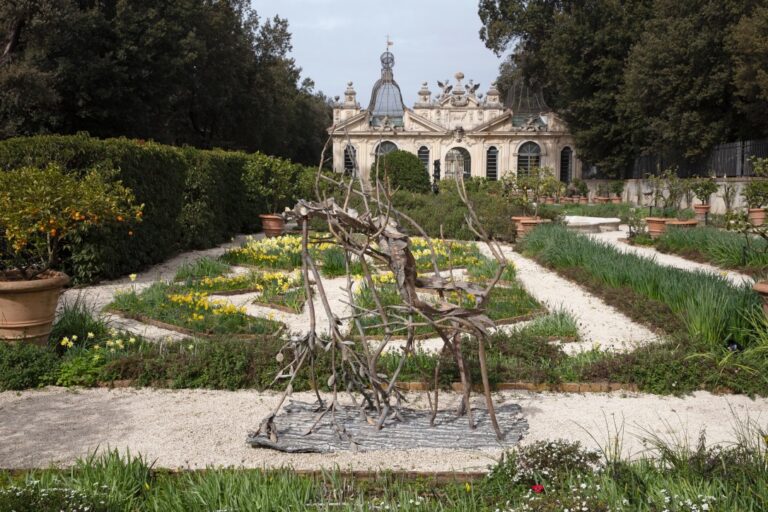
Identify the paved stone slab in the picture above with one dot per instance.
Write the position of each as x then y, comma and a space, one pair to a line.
450, 431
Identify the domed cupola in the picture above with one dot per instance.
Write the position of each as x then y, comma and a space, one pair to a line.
386, 107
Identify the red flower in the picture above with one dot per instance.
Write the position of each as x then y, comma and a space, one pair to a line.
538, 488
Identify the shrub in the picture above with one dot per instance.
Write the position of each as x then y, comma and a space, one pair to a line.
403, 170
704, 188
192, 198
42, 208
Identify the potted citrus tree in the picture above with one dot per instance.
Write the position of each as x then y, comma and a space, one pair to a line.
703, 188
617, 187
40, 211
756, 192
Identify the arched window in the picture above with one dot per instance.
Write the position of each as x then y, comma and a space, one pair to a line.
457, 160
492, 163
528, 157
566, 157
385, 147
424, 157
350, 160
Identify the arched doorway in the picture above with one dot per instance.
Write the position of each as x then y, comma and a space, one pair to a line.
458, 161
566, 164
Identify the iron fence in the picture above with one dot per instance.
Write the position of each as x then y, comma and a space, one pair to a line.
731, 159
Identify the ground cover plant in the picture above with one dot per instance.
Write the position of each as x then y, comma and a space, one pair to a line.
191, 310
710, 309
87, 352
726, 249
542, 476
485, 268
505, 303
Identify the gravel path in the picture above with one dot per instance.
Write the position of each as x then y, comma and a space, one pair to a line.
198, 428
600, 324
670, 260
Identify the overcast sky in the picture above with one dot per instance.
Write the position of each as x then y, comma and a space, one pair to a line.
335, 41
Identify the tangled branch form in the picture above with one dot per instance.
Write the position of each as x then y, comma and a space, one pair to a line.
377, 236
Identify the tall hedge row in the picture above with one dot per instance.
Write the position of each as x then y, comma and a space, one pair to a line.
193, 198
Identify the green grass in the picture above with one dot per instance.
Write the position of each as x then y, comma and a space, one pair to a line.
725, 249
333, 263
294, 299
672, 476
201, 268
709, 307
190, 310
559, 324
485, 269
506, 302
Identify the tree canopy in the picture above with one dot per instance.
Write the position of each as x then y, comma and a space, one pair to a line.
639, 76
200, 72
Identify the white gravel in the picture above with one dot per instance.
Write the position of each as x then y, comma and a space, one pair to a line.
669, 260
199, 428
600, 324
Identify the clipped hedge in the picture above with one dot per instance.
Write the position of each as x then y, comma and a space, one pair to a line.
193, 198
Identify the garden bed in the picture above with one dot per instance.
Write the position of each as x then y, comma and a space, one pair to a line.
186, 311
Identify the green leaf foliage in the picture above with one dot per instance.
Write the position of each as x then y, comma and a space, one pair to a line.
403, 170
192, 198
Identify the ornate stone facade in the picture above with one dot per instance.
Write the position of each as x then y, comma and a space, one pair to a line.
465, 130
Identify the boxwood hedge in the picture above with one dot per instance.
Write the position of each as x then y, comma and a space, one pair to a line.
193, 198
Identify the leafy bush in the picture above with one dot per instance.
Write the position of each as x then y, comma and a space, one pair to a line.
192, 198
704, 188
403, 170
41, 208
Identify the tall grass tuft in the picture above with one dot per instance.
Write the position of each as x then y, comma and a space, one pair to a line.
723, 248
81, 320
200, 268
710, 307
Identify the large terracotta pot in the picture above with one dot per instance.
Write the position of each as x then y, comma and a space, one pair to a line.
756, 216
527, 225
273, 225
601, 200
701, 212
761, 287
583, 200
616, 200
656, 226
549, 200
682, 223
27, 308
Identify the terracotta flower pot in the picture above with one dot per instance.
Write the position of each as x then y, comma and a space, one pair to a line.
549, 200
756, 216
761, 287
656, 226
28, 307
517, 219
272, 224
527, 225
583, 200
701, 212
601, 200
682, 223
616, 200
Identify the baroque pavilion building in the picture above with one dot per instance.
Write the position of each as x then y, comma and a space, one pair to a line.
467, 131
